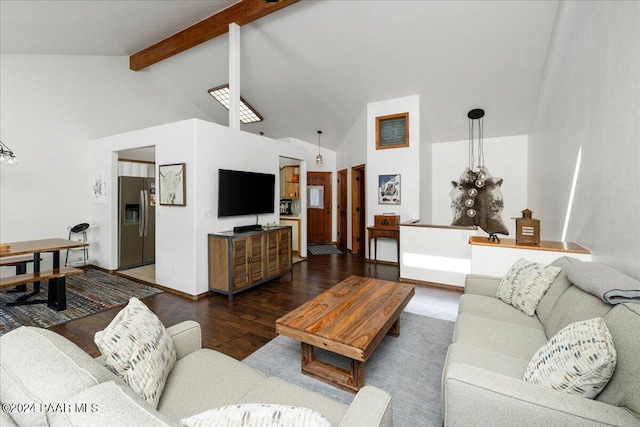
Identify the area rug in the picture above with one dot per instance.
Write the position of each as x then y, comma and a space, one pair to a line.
407, 367
323, 250
87, 293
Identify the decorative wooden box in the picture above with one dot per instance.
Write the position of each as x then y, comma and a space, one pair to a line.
386, 221
527, 229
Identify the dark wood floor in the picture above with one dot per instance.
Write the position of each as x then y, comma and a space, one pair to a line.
240, 327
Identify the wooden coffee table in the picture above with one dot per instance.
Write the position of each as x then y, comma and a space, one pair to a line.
349, 319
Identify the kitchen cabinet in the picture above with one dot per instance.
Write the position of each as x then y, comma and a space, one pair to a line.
239, 261
290, 182
295, 231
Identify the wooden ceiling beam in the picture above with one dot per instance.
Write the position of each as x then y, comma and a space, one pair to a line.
243, 12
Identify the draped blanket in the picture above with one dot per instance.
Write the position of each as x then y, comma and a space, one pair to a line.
605, 282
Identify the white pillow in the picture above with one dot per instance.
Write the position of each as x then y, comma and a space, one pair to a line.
525, 284
137, 347
257, 415
580, 359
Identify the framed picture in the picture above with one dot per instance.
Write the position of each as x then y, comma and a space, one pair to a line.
392, 131
173, 185
389, 189
99, 186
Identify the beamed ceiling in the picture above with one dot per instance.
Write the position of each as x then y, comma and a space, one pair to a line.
316, 64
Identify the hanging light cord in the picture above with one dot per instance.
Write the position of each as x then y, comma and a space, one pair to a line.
471, 146
481, 143
472, 153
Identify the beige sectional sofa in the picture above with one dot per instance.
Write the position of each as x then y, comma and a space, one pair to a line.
493, 343
45, 379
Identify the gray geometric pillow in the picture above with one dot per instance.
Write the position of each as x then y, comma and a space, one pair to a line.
137, 347
580, 359
525, 284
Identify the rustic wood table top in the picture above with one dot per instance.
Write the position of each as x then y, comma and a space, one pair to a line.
39, 246
349, 319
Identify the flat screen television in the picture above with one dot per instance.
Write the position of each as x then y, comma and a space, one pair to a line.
245, 193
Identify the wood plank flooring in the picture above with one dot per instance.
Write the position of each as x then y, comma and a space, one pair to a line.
240, 327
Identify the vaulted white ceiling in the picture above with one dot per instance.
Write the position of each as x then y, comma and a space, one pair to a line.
316, 64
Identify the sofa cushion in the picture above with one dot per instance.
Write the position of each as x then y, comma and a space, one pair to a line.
525, 283
557, 288
257, 415
482, 358
278, 391
6, 420
502, 337
203, 380
39, 367
108, 404
493, 308
137, 347
486, 359
623, 389
579, 359
572, 306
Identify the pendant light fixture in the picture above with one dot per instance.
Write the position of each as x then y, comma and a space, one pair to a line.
319, 156
476, 198
6, 155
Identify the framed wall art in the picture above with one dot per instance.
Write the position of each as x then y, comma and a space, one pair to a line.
173, 184
392, 131
389, 189
99, 186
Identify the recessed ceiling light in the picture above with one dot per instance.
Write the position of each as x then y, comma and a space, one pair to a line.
247, 113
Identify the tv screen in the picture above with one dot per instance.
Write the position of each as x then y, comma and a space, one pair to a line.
245, 193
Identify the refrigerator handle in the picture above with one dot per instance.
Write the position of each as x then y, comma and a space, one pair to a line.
142, 215
146, 212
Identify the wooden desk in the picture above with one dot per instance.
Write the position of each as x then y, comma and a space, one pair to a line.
376, 233
57, 297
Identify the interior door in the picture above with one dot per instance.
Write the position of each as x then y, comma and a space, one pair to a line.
358, 218
319, 210
342, 208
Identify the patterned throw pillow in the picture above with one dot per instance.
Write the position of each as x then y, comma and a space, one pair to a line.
257, 415
525, 284
580, 359
137, 347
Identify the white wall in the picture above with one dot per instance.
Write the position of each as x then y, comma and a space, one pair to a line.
175, 226
181, 232
220, 147
404, 161
590, 100
426, 167
353, 152
51, 107
505, 158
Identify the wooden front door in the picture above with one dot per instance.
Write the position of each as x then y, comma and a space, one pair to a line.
319, 211
342, 208
358, 218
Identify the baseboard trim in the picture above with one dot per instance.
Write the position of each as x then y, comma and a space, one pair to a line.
180, 293
153, 285
432, 284
381, 262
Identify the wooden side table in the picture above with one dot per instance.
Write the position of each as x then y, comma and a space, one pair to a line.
375, 233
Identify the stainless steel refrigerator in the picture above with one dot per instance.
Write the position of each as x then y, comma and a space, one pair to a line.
137, 222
